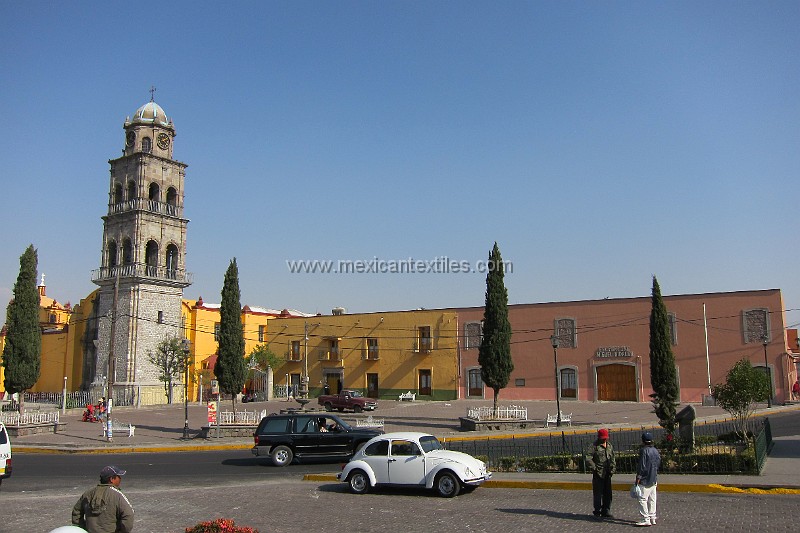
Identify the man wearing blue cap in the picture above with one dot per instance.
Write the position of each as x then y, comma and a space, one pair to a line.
104, 509
647, 478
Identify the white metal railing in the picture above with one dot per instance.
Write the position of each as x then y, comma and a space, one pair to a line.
512, 412
369, 422
15, 419
241, 417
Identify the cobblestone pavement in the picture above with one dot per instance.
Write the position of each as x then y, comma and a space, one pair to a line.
296, 506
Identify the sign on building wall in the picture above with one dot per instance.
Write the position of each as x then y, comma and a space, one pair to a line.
613, 352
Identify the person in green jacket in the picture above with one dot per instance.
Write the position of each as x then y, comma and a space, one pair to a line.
104, 509
602, 463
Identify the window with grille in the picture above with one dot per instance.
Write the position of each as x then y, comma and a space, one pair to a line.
756, 325
473, 331
372, 348
569, 383
565, 332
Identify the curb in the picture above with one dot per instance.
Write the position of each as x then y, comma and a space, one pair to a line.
620, 487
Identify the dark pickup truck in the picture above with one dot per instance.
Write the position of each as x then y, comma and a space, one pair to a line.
347, 399
283, 438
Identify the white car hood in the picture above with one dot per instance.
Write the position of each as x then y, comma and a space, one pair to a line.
440, 456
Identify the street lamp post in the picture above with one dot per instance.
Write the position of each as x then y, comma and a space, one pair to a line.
186, 344
766, 367
554, 342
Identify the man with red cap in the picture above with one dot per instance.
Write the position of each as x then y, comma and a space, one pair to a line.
602, 463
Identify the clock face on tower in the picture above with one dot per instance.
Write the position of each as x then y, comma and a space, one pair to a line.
163, 141
130, 137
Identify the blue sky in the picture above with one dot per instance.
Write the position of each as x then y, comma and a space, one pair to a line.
598, 143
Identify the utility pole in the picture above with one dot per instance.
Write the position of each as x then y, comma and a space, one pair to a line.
303, 400
554, 342
111, 369
186, 344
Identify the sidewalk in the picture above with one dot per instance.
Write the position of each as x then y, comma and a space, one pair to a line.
160, 429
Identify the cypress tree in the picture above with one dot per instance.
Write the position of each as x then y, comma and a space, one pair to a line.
22, 353
494, 354
663, 375
230, 368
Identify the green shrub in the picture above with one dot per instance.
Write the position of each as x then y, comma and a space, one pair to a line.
507, 464
703, 440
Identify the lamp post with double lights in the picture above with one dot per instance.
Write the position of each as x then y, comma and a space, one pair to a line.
554, 342
766, 368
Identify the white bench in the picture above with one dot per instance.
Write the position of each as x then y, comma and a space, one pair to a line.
407, 397
117, 426
553, 419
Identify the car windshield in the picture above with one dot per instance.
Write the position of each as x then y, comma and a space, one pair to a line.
430, 444
344, 425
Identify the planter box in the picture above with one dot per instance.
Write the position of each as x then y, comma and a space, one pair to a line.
470, 424
34, 429
228, 430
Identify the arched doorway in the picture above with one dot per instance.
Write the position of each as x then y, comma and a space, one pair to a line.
616, 382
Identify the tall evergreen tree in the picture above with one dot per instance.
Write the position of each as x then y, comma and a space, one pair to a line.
663, 374
494, 354
22, 353
230, 368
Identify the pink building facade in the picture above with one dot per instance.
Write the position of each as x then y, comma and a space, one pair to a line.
604, 345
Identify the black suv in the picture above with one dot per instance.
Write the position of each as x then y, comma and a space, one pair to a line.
284, 437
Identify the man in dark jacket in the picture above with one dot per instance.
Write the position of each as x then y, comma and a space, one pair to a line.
602, 463
647, 478
104, 509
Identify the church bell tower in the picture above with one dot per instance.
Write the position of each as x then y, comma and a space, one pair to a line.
143, 261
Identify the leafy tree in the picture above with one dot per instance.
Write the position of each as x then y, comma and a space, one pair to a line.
494, 354
230, 368
663, 375
262, 358
22, 353
170, 358
744, 386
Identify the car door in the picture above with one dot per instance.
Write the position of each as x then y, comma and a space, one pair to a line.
337, 441
406, 463
5, 453
376, 455
307, 436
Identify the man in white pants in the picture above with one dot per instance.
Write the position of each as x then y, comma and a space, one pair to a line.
647, 478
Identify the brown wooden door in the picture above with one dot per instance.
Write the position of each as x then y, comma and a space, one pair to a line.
616, 383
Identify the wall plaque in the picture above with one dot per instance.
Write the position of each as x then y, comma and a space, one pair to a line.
613, 351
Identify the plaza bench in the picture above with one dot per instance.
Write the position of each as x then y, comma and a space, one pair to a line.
407, 397
553, 419
121, 427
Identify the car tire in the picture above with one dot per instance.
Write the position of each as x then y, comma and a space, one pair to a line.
358, 481
447, 484
281, 455
328, 406
356, 408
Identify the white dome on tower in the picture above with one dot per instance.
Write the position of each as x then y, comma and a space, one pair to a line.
151, 113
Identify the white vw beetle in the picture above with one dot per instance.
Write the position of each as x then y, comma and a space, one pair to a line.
412, 459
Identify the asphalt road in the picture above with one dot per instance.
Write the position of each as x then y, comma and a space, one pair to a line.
34, 473
278, 504
177, 490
